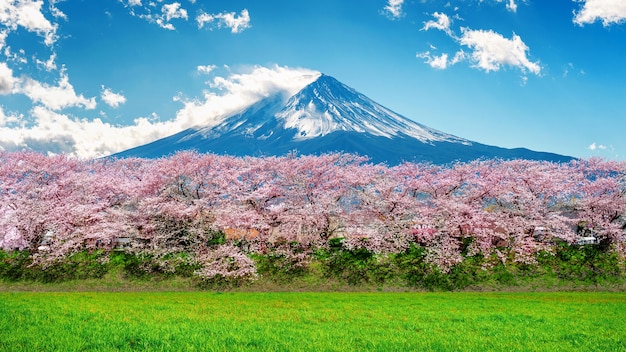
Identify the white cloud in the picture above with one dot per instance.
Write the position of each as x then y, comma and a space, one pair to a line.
133, 2
491, 51
7, 81
55, 97
438, 62
168, 12
239, 91
174, 10
458, 57
511, 5
441, 62
113, 100
3, 38
442, 23
55, 10
394, 8
27, 14
569, 68
8, 119
206, 69
595, 146
18, 57
607, 11
49, 64
226, 19
56, 132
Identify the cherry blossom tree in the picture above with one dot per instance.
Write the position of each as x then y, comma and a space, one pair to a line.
203, 206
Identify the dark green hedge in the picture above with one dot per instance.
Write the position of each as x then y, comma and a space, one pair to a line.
590, 265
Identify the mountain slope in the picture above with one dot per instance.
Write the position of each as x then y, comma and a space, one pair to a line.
328, 116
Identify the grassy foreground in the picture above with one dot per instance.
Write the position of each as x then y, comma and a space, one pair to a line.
239, 321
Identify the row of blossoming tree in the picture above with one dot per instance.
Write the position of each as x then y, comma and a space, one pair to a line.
220, 209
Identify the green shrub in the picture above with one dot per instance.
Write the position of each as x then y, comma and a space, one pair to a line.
279, 268
470, 272
418, 273
587, 264
351, 266
78, 266
13, 265
145, 266
566, 265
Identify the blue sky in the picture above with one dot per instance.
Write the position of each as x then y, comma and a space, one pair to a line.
90, 78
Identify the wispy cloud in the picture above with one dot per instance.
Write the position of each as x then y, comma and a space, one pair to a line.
163, 18
511, 5
9, 119
112, 99
442, 61
608, 11
439, 62
50, 64
595, 146
237, 24
206, 69
393, 9
604, 150
132, 2
442, 22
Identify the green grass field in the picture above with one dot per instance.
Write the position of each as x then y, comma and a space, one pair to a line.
239, 321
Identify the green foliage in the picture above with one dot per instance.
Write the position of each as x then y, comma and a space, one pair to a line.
588, 264
78, 266
279, 268
567, 265
502, 274
215, 238
469, 273
355, 266
417, 272
138, 266
351, 266
13, 264
145, 266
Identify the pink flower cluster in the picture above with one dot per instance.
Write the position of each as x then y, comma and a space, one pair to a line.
289, 206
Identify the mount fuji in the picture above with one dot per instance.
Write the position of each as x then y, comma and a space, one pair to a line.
328, 116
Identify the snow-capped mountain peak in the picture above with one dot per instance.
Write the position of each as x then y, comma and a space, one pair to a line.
327, 105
